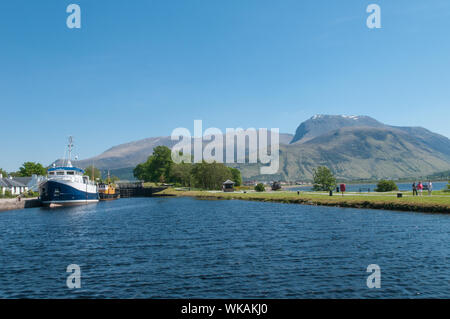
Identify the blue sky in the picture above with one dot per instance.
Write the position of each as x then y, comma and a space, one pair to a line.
138, 69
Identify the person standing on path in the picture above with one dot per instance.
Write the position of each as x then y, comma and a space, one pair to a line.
430, 188
420, 188
414, 188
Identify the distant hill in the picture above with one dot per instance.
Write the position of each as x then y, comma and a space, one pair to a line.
320, 124
365, 152
354, 147
133, 153
127, 155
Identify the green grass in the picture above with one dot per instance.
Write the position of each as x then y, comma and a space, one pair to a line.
438, 203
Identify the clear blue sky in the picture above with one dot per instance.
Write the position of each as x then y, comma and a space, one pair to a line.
138, 69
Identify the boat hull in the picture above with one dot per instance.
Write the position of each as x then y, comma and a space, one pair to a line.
104, 196
62, 193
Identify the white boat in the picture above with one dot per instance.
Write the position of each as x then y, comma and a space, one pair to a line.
67, 185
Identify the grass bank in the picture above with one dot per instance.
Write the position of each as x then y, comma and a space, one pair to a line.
438, 203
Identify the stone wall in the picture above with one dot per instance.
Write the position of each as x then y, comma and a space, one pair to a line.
13, 203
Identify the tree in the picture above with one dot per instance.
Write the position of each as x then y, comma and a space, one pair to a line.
210, 175
260, 187
157, 167
114, 179
140, 171
236, 176
323, 179
386, 186
3, 172
31, 168
182, 174
88, 172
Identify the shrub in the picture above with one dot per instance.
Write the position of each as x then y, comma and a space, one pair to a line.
448, 187
30, 194
7, 194
386, 186
260, 188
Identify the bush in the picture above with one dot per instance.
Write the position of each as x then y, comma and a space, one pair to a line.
448, 187
30, 194
7, 194
260, 188
386, 186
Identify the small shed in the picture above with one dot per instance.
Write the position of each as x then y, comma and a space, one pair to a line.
276, 186
228, 186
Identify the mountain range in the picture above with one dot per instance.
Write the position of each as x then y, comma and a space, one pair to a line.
353, 147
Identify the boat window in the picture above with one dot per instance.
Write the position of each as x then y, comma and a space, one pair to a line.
51, 173
85, 180
70, 173
59, 173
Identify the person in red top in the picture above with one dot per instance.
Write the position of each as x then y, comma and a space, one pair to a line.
420, 188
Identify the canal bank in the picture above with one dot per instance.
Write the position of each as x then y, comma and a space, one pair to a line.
14, 203
425, 204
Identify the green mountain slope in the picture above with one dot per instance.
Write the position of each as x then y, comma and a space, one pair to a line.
354, 147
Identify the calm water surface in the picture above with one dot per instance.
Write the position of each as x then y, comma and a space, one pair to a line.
182, 247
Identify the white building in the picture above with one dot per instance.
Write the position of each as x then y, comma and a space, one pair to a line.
11, 185
32, 183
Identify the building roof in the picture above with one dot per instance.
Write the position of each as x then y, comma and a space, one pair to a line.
227, 182
7, 182
23, 180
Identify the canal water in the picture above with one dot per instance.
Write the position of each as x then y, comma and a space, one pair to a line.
183, 247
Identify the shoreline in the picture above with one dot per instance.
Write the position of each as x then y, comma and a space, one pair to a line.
439, 204
416, 204
7, 204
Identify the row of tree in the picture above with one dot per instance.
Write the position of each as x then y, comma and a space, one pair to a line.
324, 180
160, 168
27, 169
32, 168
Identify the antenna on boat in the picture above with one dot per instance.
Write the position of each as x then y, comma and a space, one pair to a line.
70, 146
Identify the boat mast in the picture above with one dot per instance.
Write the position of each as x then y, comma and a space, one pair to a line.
69, 163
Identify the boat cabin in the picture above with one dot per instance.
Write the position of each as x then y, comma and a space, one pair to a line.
73, 174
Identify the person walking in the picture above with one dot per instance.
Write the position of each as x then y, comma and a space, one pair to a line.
414, 187
430, 188
420, 188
